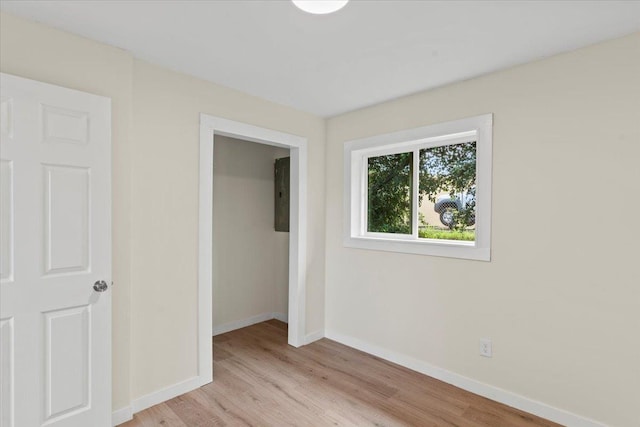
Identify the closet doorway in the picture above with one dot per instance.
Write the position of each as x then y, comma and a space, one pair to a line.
210, 127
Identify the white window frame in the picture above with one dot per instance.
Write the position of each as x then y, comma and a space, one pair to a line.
356, 155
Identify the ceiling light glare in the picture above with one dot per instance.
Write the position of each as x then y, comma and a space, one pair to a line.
320, 7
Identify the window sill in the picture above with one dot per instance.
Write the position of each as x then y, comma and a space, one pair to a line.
445, 248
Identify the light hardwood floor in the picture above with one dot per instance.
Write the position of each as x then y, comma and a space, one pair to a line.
260, 381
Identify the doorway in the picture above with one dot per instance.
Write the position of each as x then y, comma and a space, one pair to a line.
211, 126
250, 237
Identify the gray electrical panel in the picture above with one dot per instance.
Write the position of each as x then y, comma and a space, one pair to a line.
282, 194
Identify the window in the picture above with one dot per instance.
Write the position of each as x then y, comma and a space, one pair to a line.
424, 191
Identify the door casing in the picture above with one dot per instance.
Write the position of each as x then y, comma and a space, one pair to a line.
209, 127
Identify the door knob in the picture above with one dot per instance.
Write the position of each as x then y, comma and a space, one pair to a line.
100, 286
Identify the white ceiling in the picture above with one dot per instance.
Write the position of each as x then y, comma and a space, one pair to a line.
370, 51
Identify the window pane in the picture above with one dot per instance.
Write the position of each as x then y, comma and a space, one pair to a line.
389, 193
447, 205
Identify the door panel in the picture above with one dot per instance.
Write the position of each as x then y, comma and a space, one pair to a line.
6, 221
67, 195
55, 332
64, 125
6, 117
67, 356
6, 372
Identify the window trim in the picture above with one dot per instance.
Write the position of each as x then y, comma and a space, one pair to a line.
356, 153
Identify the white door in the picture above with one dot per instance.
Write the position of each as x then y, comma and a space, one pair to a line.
55, 329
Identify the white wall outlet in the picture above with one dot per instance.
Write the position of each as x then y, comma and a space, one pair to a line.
485, 347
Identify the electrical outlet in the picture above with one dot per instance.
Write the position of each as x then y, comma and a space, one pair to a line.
485, 347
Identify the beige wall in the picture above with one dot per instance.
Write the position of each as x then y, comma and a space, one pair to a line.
560, 297
164, 207
155, 192
250, 259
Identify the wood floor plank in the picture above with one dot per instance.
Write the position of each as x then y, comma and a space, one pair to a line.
156, 416
259, 380
192, 412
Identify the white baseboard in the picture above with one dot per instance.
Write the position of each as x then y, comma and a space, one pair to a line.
232, 326
125, 414
121, 416
167, 393
314, 336
494, 393
281, 317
